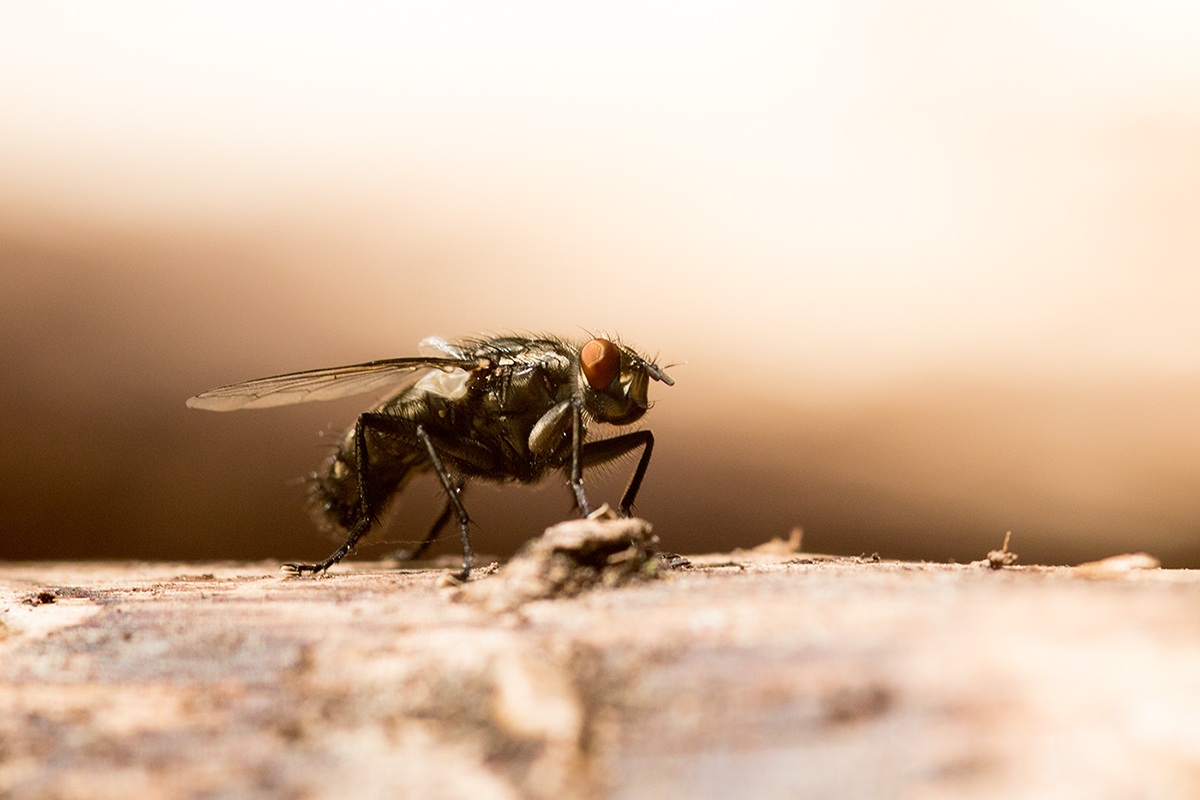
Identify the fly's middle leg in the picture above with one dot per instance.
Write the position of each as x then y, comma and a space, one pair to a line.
453, 492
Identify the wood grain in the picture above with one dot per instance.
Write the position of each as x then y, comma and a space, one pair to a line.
753, 674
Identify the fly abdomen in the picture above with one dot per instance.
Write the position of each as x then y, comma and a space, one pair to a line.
334, 494
337, 491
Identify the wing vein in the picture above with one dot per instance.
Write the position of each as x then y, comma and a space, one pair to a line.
330, 383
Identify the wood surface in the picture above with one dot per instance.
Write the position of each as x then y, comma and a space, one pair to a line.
758, 674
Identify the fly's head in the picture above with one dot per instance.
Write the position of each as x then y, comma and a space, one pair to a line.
614, 379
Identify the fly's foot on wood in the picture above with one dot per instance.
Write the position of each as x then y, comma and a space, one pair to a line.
301, 569
450, 580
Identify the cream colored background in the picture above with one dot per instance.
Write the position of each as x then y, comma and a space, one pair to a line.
932, 266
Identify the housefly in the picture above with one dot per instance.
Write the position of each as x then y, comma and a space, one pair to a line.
502, 409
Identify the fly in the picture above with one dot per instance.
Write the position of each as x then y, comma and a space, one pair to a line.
502, 409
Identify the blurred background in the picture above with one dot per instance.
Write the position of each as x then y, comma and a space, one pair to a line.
932, 266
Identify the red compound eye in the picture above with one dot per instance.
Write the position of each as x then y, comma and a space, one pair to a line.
601, 363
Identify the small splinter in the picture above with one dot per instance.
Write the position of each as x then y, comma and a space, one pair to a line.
997, 559
603, 513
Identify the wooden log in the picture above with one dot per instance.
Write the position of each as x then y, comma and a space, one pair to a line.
753, 674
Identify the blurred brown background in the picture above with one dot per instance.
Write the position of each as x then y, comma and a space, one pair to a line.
933, 266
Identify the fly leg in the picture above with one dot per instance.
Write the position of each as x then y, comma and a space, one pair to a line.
577, 456
453, 492
605, 450
359, 531
378, 422
407, 432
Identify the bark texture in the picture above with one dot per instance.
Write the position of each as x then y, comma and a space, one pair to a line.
766, 673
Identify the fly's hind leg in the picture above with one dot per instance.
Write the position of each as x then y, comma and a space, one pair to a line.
368, 503
359, 531
414, 435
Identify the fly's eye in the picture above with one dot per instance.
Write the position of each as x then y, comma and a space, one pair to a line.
601, 363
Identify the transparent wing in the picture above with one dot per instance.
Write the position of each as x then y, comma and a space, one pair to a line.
439, 347
321, 384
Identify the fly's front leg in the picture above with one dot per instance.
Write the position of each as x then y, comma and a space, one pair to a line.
453, 491
605, 450
577, 456
365, 492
